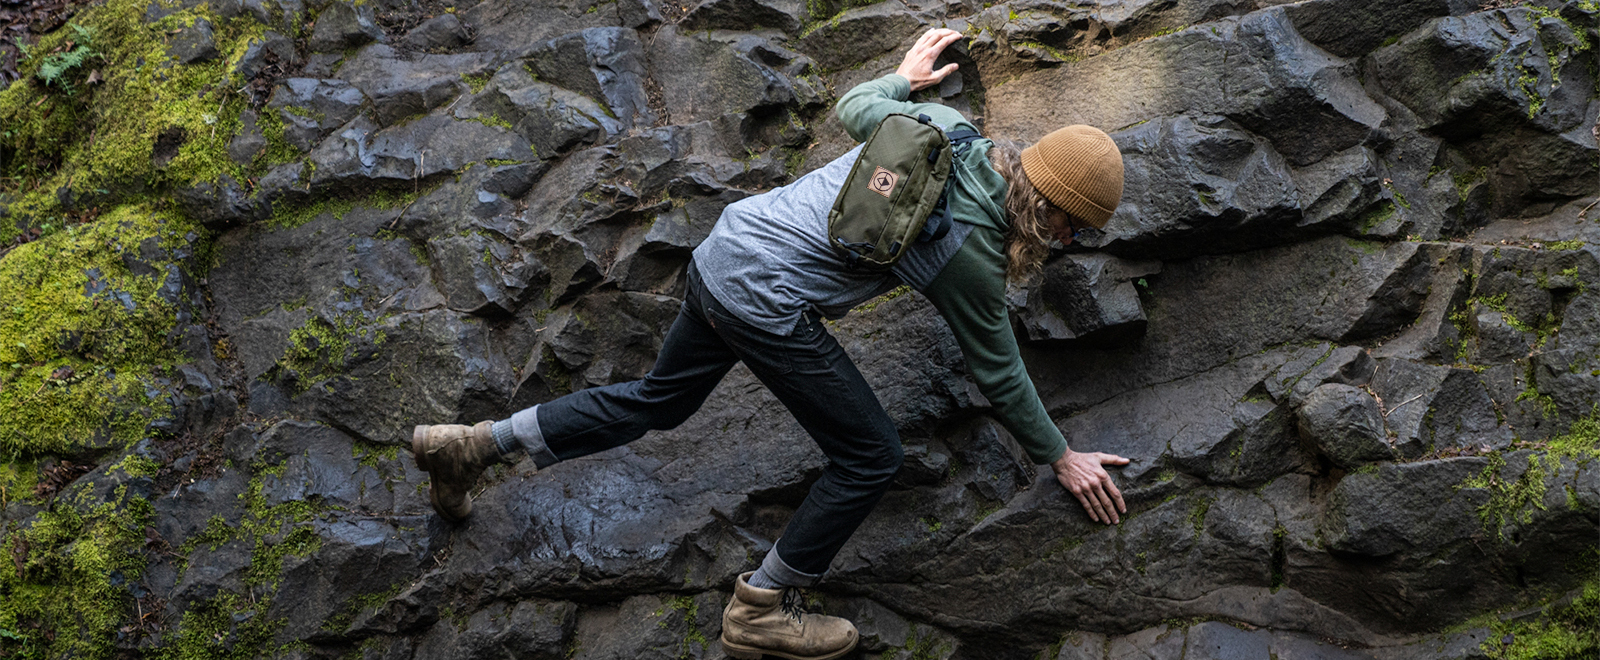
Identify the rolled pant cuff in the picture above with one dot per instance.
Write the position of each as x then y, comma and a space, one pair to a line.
525, 424
781, 573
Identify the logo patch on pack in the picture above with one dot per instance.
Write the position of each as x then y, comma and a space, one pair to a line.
883, 182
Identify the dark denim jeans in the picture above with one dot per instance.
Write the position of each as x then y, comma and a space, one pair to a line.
807, 370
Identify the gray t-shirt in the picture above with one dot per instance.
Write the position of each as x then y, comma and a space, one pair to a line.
768, 260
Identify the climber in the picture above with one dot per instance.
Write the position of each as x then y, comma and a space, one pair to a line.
758, 288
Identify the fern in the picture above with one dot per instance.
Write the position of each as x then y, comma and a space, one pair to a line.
55, 67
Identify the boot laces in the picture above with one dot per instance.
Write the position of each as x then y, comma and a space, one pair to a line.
793, 603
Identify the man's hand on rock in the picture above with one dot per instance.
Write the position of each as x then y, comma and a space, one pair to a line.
918, 65
1081, 474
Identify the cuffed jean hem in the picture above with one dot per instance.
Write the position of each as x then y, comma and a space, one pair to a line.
525, 424
780, 572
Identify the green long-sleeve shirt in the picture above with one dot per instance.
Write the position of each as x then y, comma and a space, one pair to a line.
970, 290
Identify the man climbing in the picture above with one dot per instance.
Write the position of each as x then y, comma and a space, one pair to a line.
758, 288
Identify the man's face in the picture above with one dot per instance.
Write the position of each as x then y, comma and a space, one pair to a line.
1062, 226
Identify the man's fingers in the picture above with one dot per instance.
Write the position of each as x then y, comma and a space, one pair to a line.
1110, 459
1088, 509
1116, 495
1105, 501
946, 70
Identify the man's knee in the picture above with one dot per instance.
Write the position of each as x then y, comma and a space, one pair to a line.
886, 464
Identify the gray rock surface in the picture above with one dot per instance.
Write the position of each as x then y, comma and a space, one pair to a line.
1345, 324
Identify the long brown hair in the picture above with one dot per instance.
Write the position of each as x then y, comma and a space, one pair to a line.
1028, 240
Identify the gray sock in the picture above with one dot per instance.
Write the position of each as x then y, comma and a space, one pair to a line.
776, 574
760, 580
525, 426
504, 438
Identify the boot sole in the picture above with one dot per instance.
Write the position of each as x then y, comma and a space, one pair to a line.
752, 653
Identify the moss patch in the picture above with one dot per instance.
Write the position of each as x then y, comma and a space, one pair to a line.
155, 122
1514, 501
62, 594
1571, 630
83, 335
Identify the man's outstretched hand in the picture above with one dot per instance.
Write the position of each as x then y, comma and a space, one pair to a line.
918, 65
1081, 474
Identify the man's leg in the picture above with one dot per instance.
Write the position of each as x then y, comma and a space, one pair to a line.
819, 384
811, 374
692, 360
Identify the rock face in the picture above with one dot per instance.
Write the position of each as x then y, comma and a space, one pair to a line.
1345, 324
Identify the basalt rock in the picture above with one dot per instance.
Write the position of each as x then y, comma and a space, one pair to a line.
344, 25
1345, 326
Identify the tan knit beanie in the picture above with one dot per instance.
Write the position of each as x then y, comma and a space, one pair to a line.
1079, 169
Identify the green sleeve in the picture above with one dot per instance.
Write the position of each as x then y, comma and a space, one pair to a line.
970, 294
866, 104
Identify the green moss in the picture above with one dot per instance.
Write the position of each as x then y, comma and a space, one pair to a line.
476, 82
694, 641
867, 307
1465, 180
145, 96
61, 590
359, 604
227, 627
83, 336
1052, 51
17, 480
1565, 631
1377, 216
491, 120
1197, 513
1574, 244
1515, 501
921, 645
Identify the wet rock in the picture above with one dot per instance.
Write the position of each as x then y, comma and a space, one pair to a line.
194, 44
310, 108
553, 120
1404, 507
860, 34
401, 86
1430, 408
1223, 432
514, 25
1353, 30
603, 339
249, 143
653, 627
270, 48
1198, 185
604, 64
525, 630
1345, 425
1309, 370
1271, 75
353, 557
1092, 297
344, 25
221, 203
785, 15
1490, 82
702, 78
442, 32
479, 274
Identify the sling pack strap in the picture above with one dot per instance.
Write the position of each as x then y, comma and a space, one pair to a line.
939, 223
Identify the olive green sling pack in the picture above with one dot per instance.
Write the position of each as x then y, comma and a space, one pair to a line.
896, 192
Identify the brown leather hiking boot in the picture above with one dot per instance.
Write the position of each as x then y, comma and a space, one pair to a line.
769, 621
454, 456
